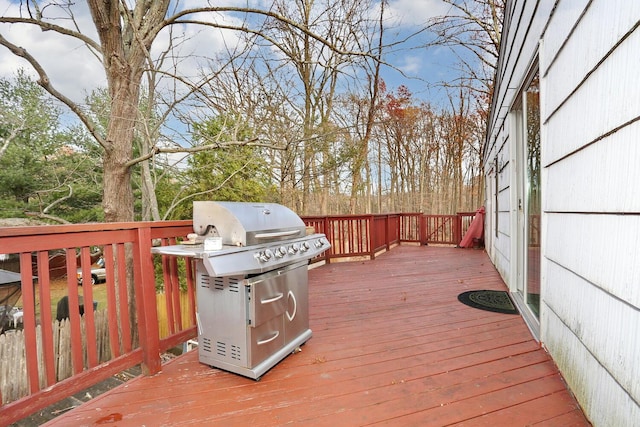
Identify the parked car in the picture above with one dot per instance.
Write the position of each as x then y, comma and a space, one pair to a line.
98, 272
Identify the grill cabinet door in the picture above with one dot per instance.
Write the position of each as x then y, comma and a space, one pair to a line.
267, 297
265, 339
296, 320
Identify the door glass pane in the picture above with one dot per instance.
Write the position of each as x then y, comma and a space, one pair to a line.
533, 205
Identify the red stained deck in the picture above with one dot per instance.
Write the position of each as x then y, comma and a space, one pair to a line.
391, 345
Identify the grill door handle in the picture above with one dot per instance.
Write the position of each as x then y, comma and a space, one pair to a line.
277, 234
295, 307
268, 340
270, 300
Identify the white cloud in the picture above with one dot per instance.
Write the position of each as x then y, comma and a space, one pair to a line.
75, 71
416, 12
411, 64
193, 45
67, 61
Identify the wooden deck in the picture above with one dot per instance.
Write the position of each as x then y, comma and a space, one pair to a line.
391, 345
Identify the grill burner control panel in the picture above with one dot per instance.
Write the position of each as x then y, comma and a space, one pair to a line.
293, 250
254, 259
260, 258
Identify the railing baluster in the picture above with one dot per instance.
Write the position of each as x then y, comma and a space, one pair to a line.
112, 313
365, 235
73, 309
176, 322
191, 293
125, 324
46, 318
29, 309
89, 319
144, 284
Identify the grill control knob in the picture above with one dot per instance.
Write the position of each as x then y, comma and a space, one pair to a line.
280, 252
265, 255
304, 247
319, 243
294, 248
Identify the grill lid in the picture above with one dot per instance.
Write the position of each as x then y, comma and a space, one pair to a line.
246, 223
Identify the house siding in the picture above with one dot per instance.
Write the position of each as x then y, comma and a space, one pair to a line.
590, 114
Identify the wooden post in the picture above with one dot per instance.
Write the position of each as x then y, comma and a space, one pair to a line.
371, 243
146, 304
423, 230
457, 235
387, 234
328, 232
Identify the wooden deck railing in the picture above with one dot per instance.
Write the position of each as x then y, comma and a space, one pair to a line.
446, 229
127, 252
366, 235
126, 248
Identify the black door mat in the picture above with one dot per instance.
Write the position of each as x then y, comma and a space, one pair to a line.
496, 301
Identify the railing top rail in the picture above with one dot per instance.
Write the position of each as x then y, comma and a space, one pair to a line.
88, 227
356, 216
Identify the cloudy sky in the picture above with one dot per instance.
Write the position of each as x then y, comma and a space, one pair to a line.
75, 71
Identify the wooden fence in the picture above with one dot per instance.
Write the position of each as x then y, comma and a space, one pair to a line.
186, 313
14, 382
13, 379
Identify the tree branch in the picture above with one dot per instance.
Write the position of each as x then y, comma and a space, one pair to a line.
176, 19
45, 82
157, 150
7, 140
47, 26
211, 190
57, 201
45, 216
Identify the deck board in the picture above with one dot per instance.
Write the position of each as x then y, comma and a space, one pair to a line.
391, 346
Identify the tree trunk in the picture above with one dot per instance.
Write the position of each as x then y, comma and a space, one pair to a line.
118, 195
125, 37
150, 210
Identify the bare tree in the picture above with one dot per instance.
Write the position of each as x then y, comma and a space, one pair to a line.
126, 33
367, 113
318, 67
472, 29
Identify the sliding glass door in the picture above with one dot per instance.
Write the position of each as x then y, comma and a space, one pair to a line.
528, 194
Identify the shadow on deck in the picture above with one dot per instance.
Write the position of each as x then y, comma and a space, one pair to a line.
391, 345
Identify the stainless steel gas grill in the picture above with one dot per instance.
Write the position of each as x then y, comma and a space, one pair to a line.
252, 283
